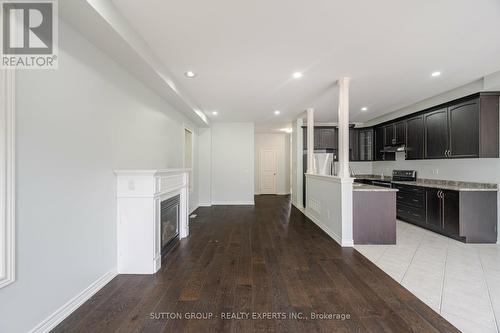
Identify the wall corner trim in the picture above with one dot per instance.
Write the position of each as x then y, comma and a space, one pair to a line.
67, 309
7, 177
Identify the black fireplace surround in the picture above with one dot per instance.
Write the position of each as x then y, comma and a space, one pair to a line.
170, 210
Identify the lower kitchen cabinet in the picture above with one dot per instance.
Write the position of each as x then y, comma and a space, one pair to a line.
443, 211
433, 213
451, 212
469, 216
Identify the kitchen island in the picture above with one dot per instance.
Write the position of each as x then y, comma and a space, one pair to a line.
374, 214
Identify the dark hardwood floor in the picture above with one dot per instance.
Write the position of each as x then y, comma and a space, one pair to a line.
267, 260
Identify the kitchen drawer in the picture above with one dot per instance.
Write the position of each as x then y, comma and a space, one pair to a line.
409, 188
411, 199
411, 214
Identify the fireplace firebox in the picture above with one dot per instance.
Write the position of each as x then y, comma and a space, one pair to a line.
169, 218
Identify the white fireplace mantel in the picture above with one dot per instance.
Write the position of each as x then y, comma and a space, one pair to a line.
139, 196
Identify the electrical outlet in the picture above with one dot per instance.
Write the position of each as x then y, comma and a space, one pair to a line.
131, 185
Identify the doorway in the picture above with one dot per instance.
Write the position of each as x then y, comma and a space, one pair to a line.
188, 155
268, 171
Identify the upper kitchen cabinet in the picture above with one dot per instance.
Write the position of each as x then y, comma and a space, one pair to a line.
324, 138
488, 125
365, 144
395, 134
327, 138
382, 135
353, 144
464, 129
415, 138
436, 134
463, 120
389, 135
399, 133
379, 143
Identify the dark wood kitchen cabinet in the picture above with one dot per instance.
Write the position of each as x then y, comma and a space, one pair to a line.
353, 144
443, 211
389, 135
365, 144
450, 208
415, 138
467, 216
436, 134
395, 134
379, 143
324, 138
328, 138
433, 204
464, 129
463, 119
399, 133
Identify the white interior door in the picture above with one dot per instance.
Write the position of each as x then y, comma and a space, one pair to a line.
268, 170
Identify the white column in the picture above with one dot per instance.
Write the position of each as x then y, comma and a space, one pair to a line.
310, 140
343, 116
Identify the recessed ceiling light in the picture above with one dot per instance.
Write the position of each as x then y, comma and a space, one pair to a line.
434, 74
189, 74
286, 130
214, 113
364, 108
297, 75
277, 112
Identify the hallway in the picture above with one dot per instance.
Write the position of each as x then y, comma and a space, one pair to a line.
268, 262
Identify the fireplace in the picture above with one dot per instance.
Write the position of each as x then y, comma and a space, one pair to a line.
169, 224
152, 217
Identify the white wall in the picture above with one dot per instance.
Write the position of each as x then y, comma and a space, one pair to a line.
485, 170
232, 163
281, 144
74, 126
329, 205
361, 168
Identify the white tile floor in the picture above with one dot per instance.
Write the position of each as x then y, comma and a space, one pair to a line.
459, 281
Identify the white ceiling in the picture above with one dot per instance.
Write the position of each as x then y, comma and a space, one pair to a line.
244, 52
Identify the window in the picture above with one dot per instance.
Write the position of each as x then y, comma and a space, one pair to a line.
7, 98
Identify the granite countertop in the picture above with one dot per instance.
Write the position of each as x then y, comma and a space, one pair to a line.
437, 183
357, 187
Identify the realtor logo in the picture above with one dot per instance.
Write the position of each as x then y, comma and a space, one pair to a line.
29, 34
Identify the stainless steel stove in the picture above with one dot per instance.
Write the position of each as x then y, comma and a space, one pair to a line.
404, 175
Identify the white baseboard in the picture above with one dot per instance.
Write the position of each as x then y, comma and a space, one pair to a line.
64, 311
329, 232
204, 204
192, 210
277, 193
299, 207
233, 203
